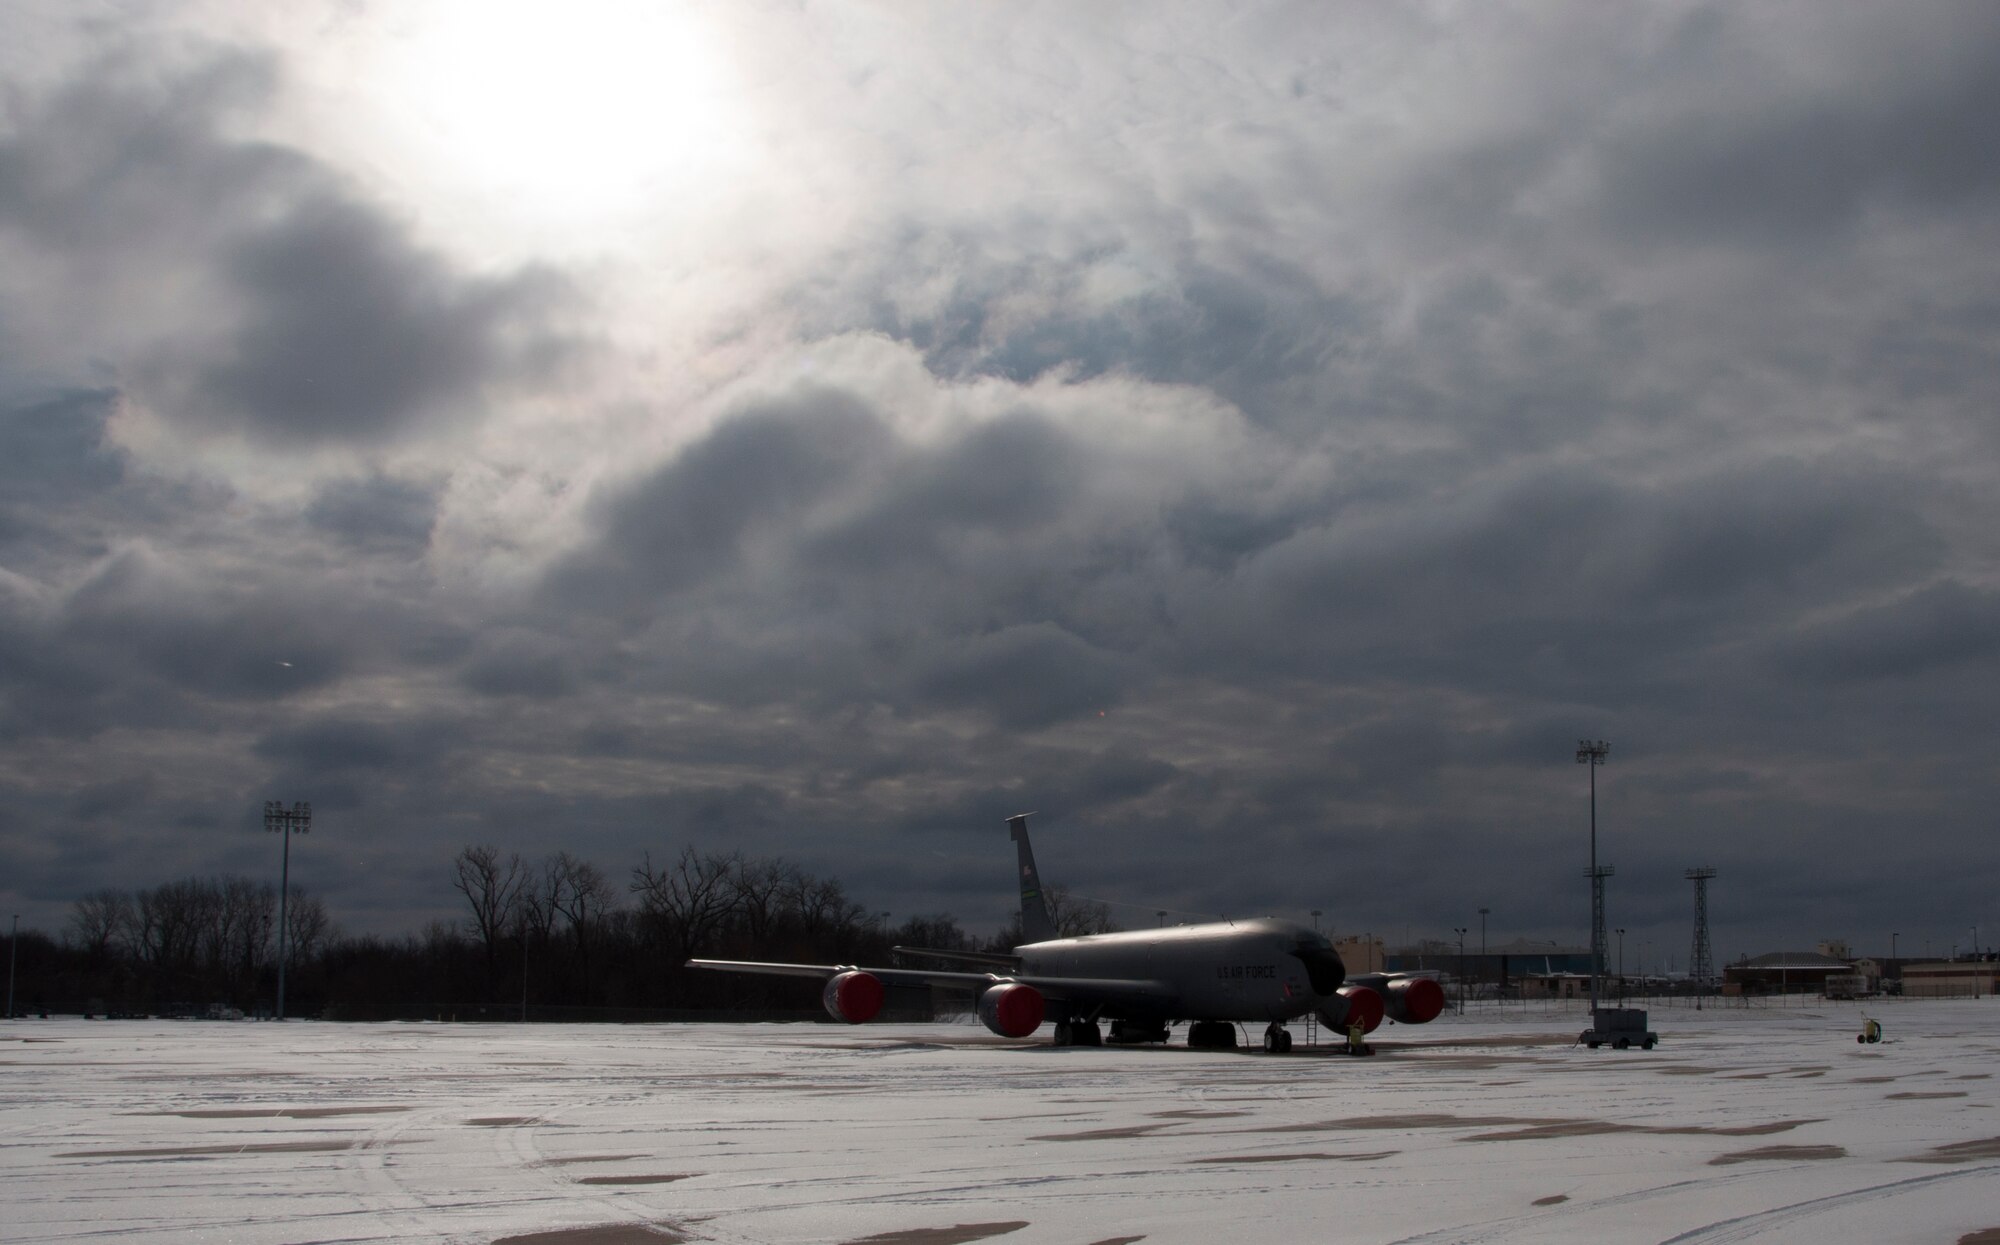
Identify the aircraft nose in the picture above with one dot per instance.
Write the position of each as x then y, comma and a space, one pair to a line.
1323, 968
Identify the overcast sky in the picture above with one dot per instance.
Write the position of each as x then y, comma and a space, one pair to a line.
1263, 439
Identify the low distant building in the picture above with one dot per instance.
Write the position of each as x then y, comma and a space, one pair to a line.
1784, 972
1361, 953
1557, 985
1502, 965
1952, 979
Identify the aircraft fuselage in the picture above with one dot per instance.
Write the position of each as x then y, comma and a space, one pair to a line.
1258, 969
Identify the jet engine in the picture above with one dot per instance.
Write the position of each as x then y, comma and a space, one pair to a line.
1353, 1005
1011, 1009
853, 996
1414, 1000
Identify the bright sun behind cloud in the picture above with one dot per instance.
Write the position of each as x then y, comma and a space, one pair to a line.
569, 113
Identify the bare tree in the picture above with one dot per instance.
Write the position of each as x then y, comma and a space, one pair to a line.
689, 899
583, 896
937, 931
166, 925
582, 893
540, 900
492, 887
1075, 917
761, 886
237, 940
98, 920
307, 926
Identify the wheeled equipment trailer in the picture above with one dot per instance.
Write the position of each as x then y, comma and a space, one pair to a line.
1619, 1028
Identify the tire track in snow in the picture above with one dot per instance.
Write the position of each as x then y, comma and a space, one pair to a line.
1748, 1227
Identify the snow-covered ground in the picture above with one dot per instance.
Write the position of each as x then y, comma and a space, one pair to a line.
1759, 1124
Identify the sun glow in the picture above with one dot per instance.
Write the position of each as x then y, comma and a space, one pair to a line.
579, 111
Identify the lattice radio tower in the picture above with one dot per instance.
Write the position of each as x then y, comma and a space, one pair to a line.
1592, 752
1701, 965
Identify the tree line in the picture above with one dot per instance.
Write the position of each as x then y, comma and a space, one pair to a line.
551, 938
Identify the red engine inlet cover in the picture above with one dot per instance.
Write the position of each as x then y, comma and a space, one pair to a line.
1012, 1010
853, 996
1417, 1000
1364, 1007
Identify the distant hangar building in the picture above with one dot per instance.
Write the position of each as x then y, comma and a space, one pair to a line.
1784, 972
1952, 979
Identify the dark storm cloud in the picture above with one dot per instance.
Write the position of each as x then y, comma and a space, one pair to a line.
142, 615
125, 155
1897, 123
306, 314
1944, 628
376, 514
55, 452
691, 519
349, 332
342, 743
519, 662
1571, 575
1025, 677
1006, 479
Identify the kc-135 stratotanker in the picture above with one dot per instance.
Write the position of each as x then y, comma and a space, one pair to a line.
1140, 982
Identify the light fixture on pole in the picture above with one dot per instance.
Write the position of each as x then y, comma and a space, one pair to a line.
285, 822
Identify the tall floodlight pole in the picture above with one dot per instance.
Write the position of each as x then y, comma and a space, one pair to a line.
1701, 966
1461, 931
13, 952
1485, 966
1621, 965
1592, 752
285, 822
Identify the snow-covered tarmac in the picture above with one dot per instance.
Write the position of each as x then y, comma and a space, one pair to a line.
1744, 1125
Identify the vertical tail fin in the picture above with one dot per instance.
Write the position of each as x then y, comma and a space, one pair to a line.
1036, 924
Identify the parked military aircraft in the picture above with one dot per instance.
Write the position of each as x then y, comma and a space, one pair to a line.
1142, 982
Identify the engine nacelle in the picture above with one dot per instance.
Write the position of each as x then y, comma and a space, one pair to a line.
853, 996
1012, 1009
1415, 1000
1353, 1005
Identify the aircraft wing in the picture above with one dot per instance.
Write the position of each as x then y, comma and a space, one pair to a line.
887, 976
1088, 992
1082, 992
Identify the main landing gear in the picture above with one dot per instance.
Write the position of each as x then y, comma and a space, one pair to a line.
1211, 1035
1078, 1033
1221, 1035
